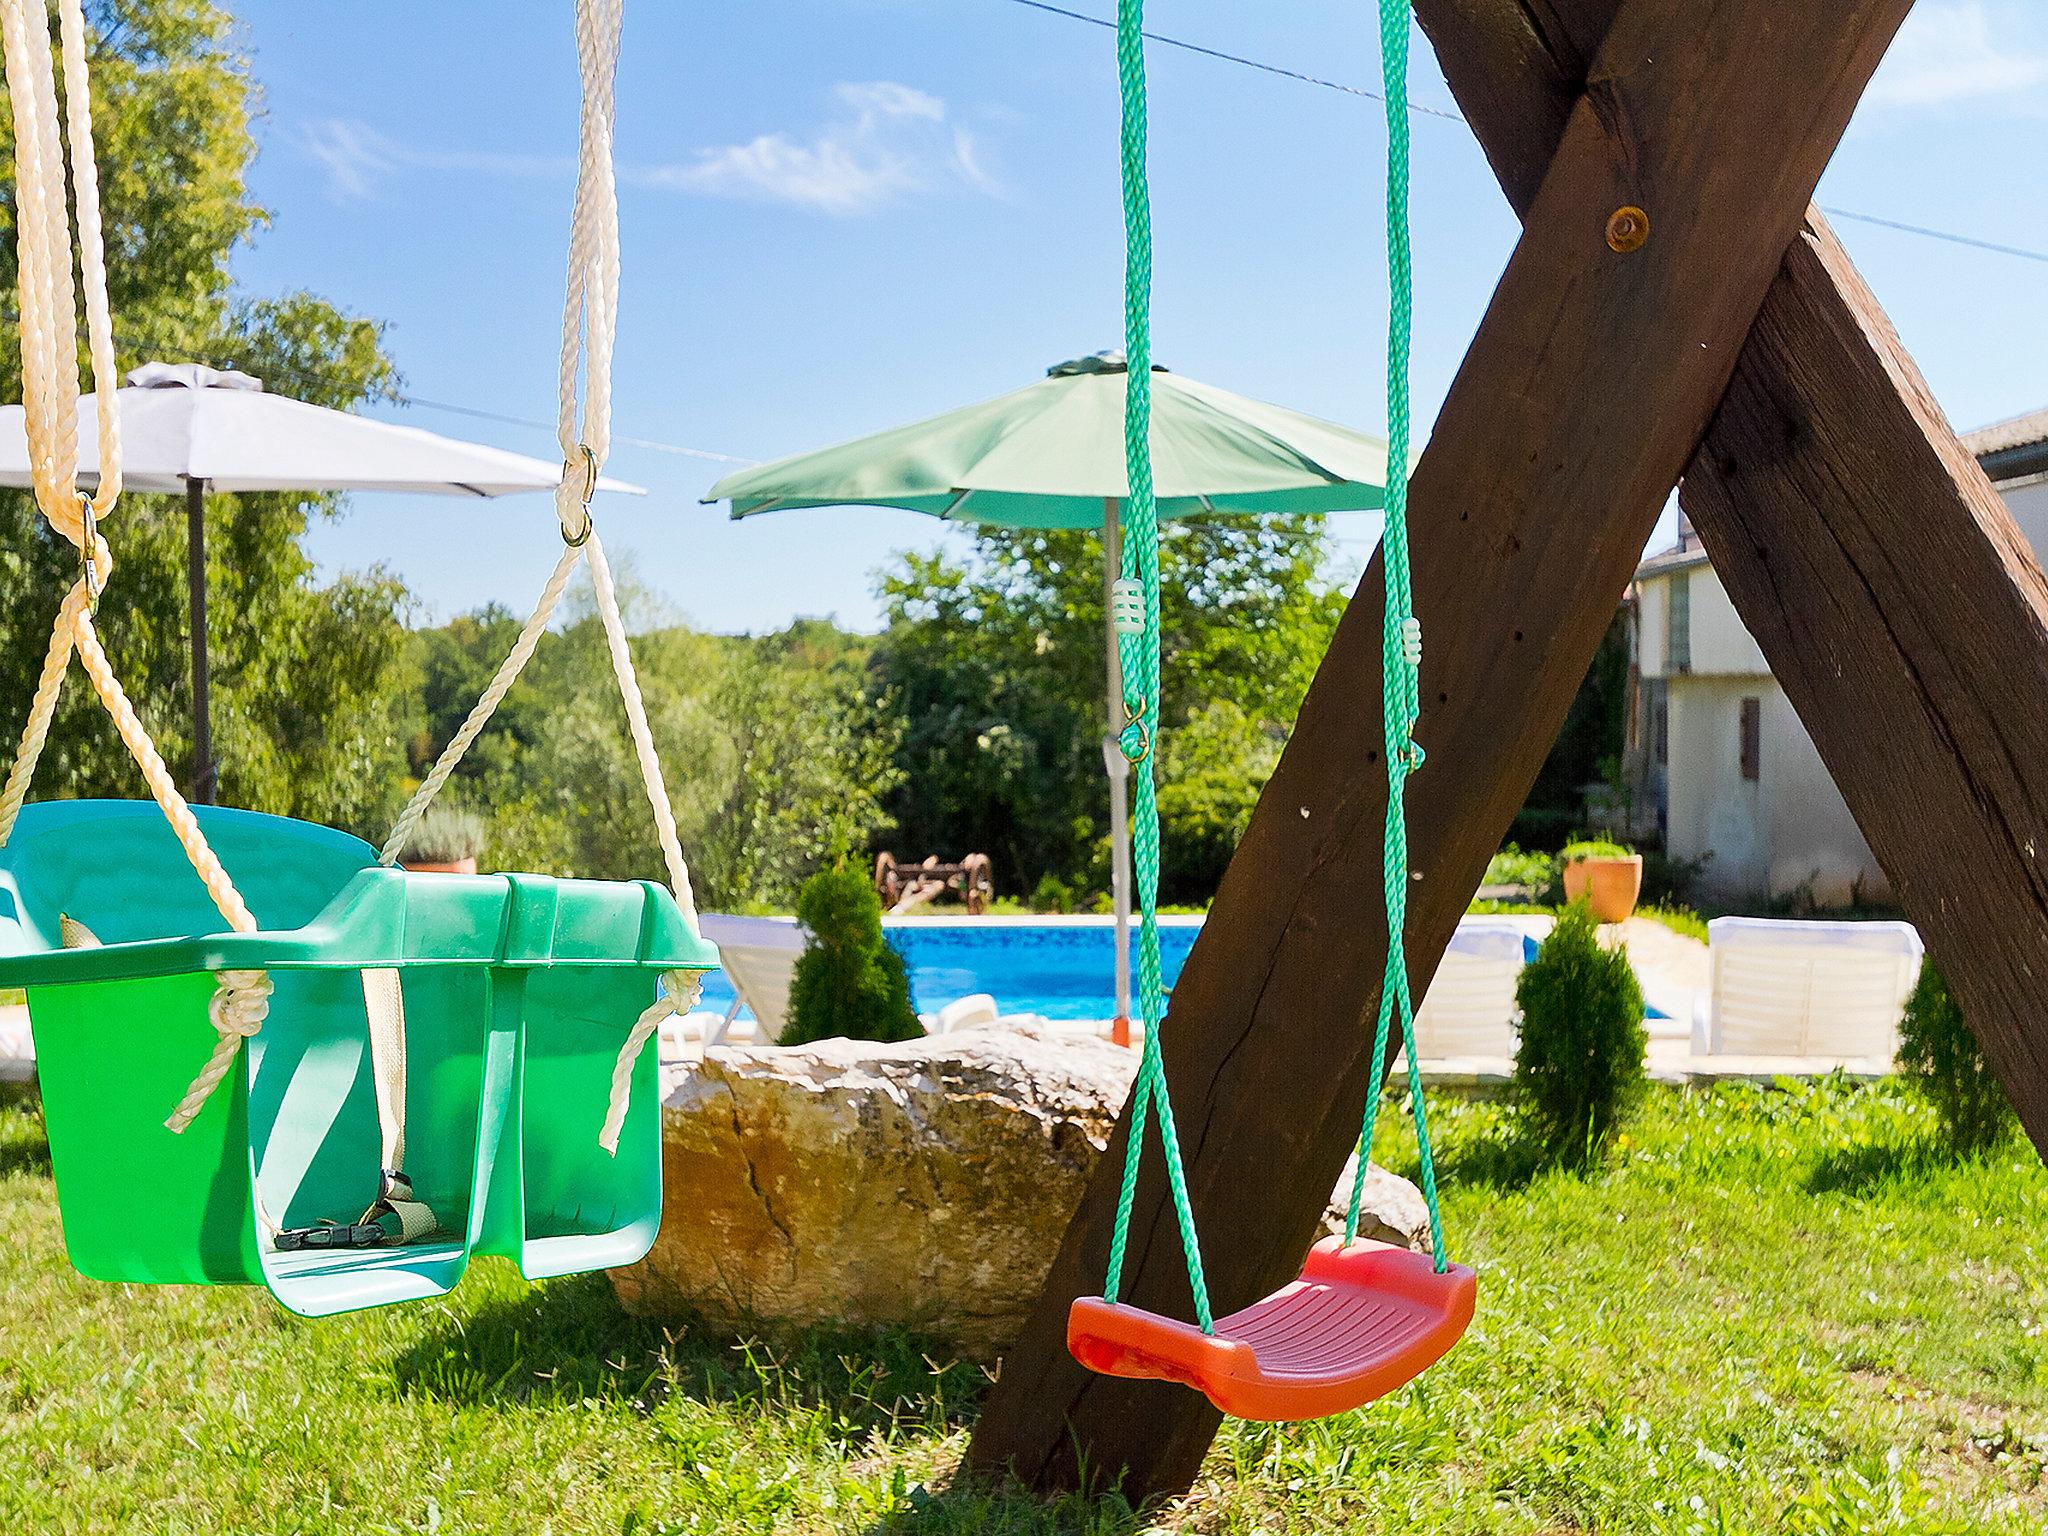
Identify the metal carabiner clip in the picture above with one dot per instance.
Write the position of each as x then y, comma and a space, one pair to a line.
88, 553
1134, 720
589, 492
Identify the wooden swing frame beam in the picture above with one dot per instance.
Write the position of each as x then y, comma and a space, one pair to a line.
1738, 351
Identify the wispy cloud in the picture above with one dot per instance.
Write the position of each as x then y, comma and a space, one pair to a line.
358, 159
1947, 53
882, 144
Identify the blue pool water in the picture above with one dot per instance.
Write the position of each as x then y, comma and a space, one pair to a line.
1060, 970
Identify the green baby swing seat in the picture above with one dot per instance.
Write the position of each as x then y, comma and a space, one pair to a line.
518, 992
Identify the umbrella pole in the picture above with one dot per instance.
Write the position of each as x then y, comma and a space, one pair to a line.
1119, 776
205, 779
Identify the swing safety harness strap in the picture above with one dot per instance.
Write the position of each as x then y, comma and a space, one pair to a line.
1138, 642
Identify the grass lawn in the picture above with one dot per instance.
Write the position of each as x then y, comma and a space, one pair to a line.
1774, 1311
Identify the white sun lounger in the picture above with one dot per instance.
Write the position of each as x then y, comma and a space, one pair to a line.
758, 956
1469, 1010
1786, 988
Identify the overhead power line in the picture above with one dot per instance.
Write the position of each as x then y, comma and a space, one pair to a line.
165, 349
1425, 110
618, 439
1237, 58
1937, 234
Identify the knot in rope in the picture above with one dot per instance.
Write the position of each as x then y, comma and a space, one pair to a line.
679, 993
240, 1004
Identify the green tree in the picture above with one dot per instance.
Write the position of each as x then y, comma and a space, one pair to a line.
848, 981
803, 766
1940, 1057
776, 759
996, 665
306, 677
1579, 1066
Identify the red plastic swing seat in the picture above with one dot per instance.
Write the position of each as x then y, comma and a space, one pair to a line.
1360, 1322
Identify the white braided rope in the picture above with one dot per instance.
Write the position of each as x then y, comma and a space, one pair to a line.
479, 716
680, 991
49, 369
589, 329
92, 257
590, 308
590, 314
42, 709
643, 736
162, 787
240, 1004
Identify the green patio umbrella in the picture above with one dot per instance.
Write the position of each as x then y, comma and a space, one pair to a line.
1051, 455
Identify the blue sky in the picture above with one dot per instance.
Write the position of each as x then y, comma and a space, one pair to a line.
843, 214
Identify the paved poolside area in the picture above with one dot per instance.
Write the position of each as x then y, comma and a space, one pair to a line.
1671, 967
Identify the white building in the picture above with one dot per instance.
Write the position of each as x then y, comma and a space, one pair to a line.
1720, 756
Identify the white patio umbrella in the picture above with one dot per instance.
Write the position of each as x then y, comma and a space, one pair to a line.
188, 428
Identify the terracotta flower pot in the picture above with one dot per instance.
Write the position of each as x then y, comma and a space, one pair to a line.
436, 867
1610, 885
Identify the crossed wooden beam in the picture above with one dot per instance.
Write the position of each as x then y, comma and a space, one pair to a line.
1735, 350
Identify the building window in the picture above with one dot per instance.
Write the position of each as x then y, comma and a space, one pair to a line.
1660, 733
1752, 739
1678, 624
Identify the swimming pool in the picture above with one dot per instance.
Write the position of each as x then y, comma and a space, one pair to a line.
1063, 968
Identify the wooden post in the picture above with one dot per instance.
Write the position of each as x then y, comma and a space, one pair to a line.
1880, 573
1590, 381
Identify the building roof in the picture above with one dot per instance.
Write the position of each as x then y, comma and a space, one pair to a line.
1665, 561
2012, 450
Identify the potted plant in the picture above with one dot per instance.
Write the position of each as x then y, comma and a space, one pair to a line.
446, 841
1604, 874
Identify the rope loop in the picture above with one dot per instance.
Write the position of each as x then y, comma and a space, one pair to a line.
237, 1010
679, 993
1138, 648
1401, 642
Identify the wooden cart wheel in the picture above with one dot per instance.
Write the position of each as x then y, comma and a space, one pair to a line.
978, 882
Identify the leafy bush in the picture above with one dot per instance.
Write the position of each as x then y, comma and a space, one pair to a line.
446, 834
1942, 1060
1579, 1068
1593, 848
848, 981
1052, 894
1211, 770
1533, 871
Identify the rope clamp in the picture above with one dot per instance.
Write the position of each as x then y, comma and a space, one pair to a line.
88, 553
1134, 720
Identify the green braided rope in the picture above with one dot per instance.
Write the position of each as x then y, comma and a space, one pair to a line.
1140, 657
1401, 701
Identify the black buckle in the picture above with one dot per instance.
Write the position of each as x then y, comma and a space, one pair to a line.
335, 1235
